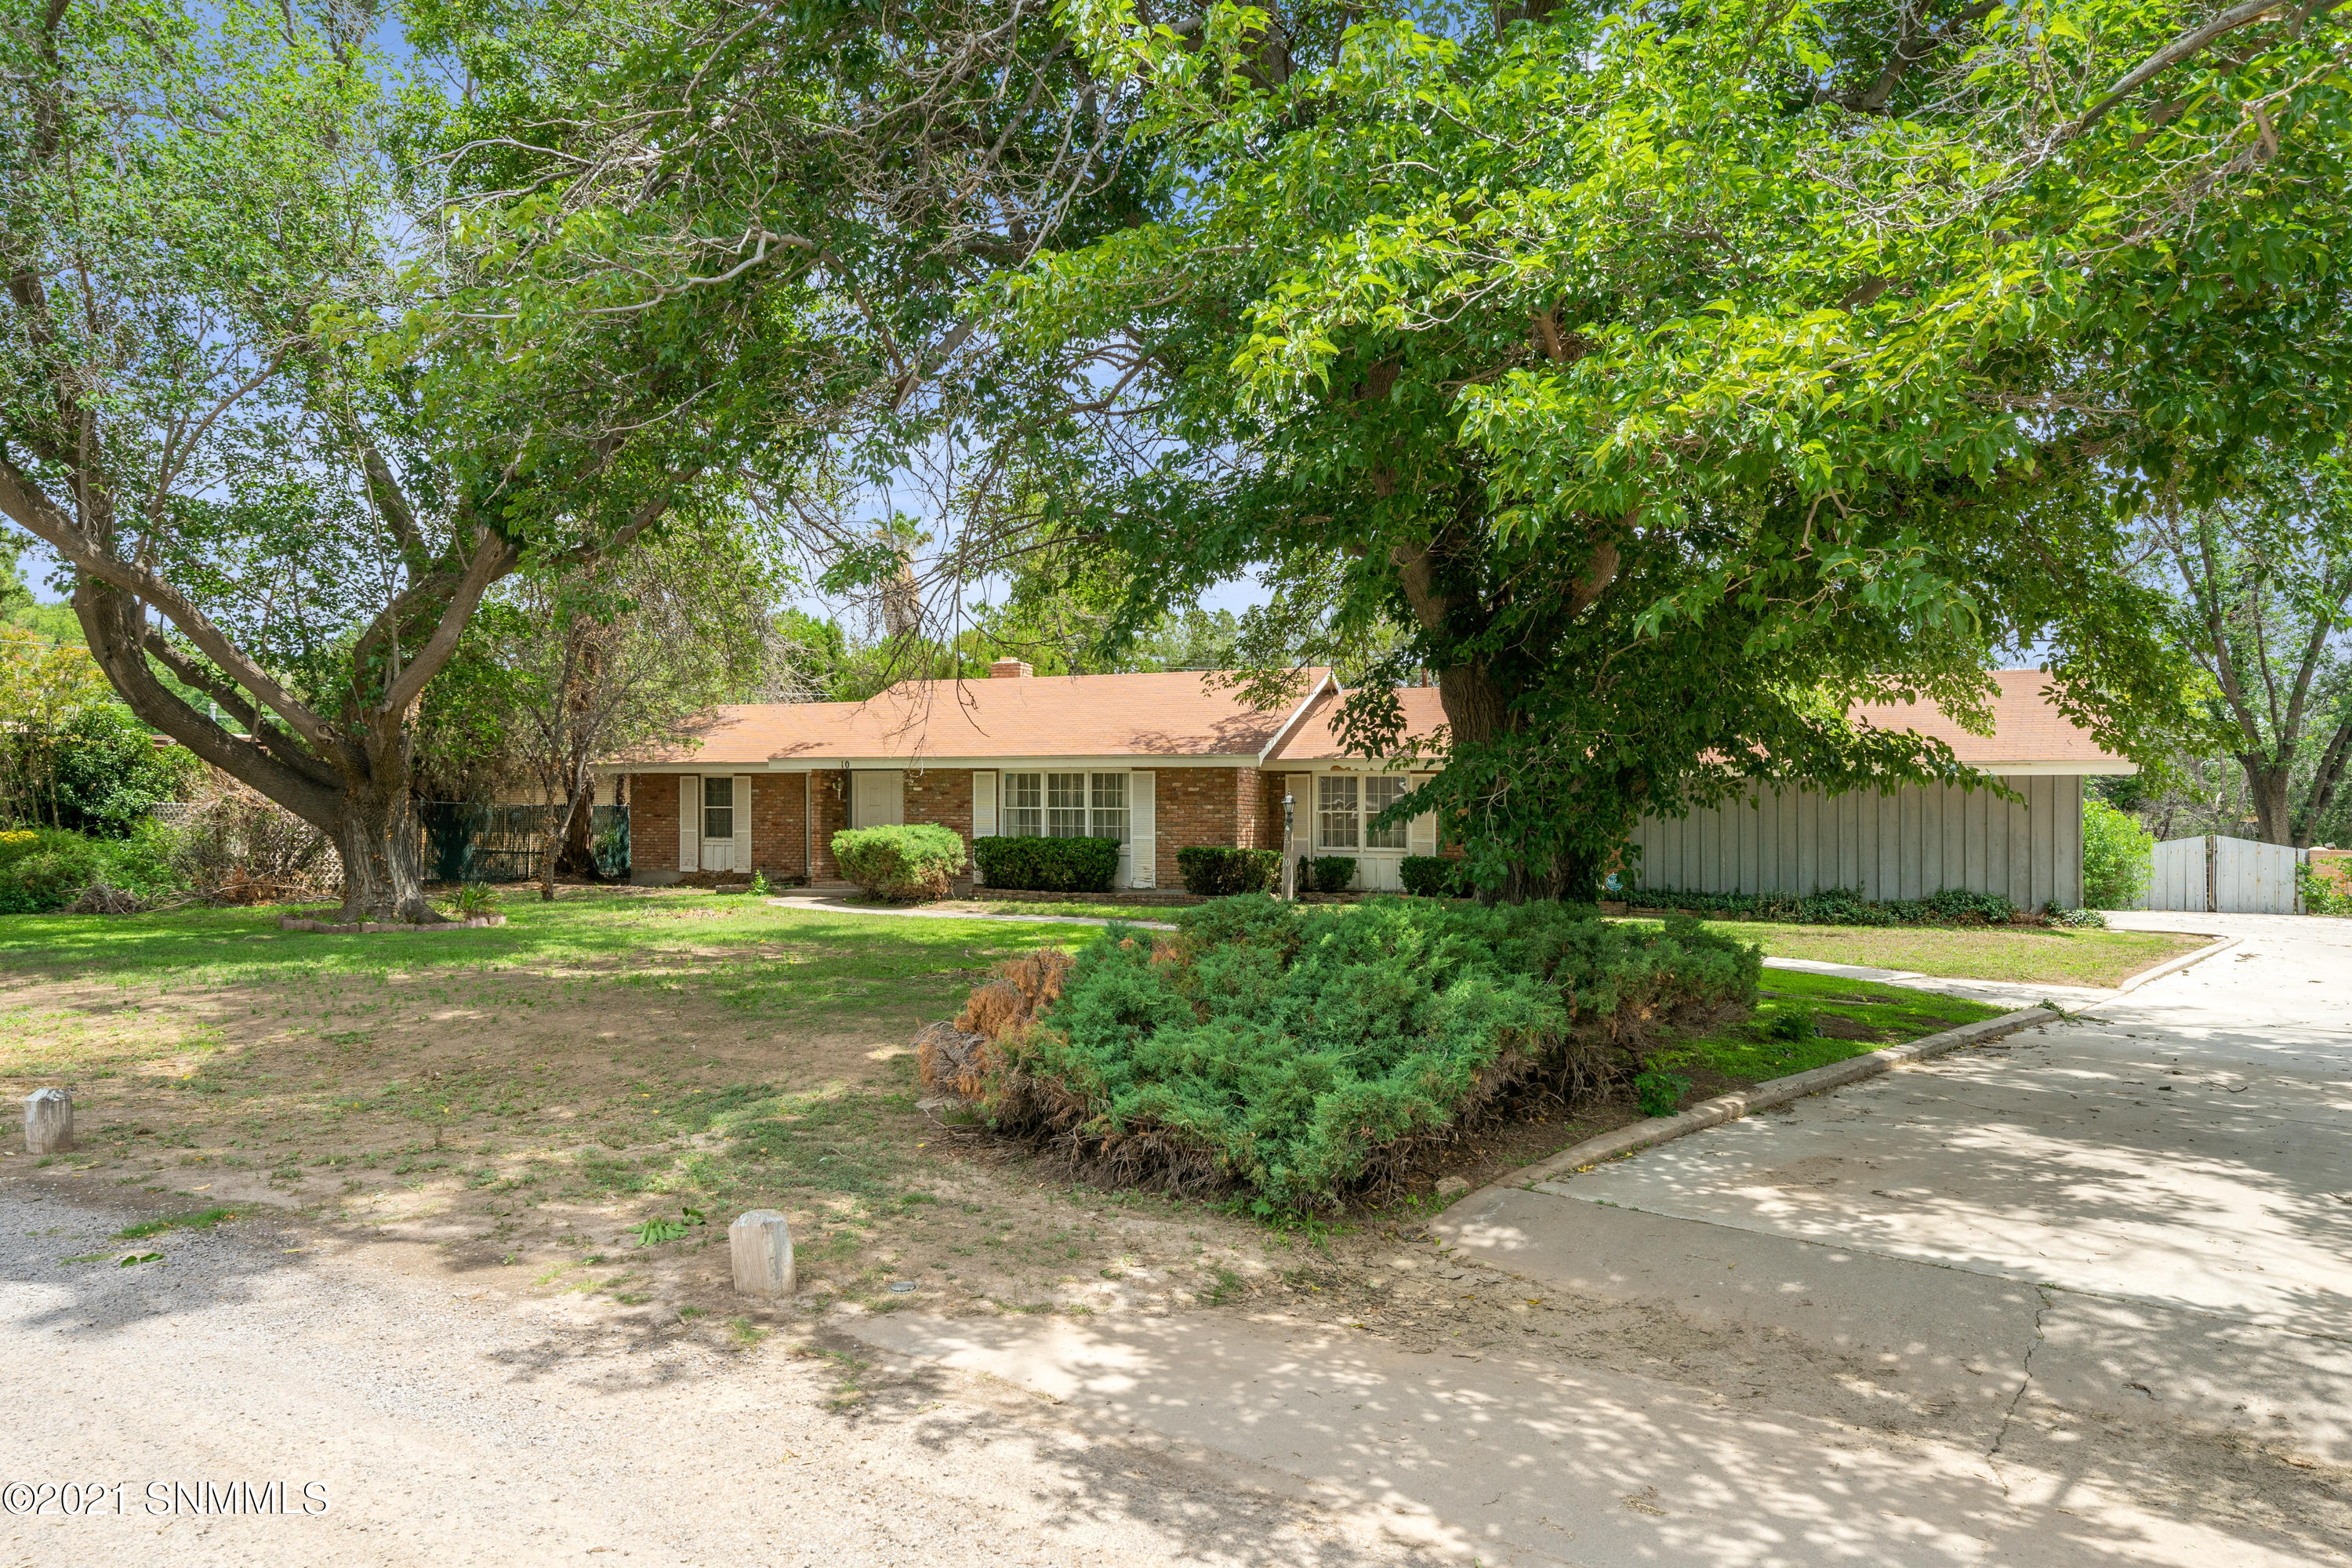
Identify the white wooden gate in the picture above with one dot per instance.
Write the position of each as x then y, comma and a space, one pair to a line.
2224, 876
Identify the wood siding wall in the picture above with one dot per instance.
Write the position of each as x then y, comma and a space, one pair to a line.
1901, 845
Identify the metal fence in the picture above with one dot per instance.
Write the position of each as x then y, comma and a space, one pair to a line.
468, 843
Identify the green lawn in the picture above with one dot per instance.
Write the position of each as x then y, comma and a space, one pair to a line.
1855, 1016
2029, 955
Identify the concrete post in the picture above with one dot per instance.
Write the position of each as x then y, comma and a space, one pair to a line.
760, 1245
48, 1122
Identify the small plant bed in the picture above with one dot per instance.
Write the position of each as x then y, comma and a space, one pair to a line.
1847, 907
2026, 955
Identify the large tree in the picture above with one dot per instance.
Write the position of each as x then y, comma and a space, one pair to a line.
2265, 574
268, 397
1679, 376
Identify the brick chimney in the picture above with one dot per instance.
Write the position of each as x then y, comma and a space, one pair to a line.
1009, 668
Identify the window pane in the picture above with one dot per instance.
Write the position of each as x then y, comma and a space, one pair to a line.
1335, 813
1380, 793
719, 822
718, 791
1025, 806
1065, 805
1110, 806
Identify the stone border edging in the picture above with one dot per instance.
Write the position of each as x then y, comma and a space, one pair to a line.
329, 928
2174, 965
1731, 1106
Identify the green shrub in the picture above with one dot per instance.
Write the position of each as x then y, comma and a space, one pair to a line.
1836, 906
1658, 1091
2118, 855
1326, 873
1434, 877
1048, 865
1308, 1051
2325, 890
1212, 870
905, 863
46, 868
111, 773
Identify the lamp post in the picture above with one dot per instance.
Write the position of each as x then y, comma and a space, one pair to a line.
1289, 866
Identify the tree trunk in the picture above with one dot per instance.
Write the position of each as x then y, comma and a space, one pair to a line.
2269, 786
579, 856
382, 843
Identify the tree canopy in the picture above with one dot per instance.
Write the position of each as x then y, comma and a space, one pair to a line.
1678, 376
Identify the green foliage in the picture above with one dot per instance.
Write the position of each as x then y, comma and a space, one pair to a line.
654, 1231
1658, 1089
1326, 873
1434, 877
476, 899
1837, 906
759, 888
2117, 856
1214, 870
2078, 919
2325, 888
46, 868
1048, 865
1793, 1024
906, 863
1671, 396
109, 772
1305, 1051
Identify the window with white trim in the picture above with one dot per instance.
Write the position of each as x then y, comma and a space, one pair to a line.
718, 806
1335, 812
1107, 807
1065, 805
1380, 793
1025, 806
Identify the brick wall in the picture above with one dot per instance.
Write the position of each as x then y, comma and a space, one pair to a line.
779, 823
944, 799
831, 796
1193, 807
653, 823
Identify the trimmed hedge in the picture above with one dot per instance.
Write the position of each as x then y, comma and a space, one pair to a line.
1326, 873
1048, 865
1436, 877
906, 864
1307, 1052
1840, 907
1212, 870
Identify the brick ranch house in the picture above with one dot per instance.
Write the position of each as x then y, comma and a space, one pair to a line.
1163, 762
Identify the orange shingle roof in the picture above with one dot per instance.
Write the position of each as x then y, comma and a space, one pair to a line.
1184, 716
1316, 738
2028, 729
1140, 716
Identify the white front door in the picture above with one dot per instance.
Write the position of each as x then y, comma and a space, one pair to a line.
877, 798
719, 808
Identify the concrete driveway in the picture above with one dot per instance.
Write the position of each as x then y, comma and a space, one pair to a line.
2153, 1204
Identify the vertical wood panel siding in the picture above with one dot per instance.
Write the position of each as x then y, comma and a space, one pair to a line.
1904, 846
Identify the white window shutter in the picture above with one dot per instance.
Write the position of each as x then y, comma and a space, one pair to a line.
983, 814
1143, 829
742, 824
689, 822
1420, 834
983, 805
